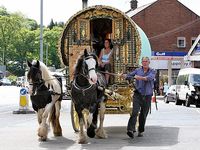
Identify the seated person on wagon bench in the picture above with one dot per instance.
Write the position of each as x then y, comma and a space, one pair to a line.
105, 58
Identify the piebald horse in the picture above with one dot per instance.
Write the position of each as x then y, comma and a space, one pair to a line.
45, 92
87, 98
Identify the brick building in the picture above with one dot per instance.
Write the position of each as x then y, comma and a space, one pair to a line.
171, 28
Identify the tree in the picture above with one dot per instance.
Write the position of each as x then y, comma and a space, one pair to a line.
51, 37
9, 26
51, 25
3, 11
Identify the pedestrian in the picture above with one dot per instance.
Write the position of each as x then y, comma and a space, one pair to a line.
142, 96
165, 88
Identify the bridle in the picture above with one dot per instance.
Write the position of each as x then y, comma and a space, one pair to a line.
37, 82
86, 71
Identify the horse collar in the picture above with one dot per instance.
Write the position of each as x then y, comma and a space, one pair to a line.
83, 90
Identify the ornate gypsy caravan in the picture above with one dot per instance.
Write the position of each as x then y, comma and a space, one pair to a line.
94, 24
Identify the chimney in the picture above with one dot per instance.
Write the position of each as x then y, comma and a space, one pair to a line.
133, 4
84, 2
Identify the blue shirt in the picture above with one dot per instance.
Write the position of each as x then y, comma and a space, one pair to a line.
143, 87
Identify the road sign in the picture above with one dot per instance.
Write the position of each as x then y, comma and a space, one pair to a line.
23, 91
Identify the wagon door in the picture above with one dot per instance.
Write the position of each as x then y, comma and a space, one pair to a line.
124, 46
80, 41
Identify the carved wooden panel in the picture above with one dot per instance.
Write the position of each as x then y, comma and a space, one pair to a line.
74, 52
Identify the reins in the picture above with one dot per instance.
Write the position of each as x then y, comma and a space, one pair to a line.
109, 73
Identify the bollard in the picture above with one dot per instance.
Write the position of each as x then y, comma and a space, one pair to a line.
23, 102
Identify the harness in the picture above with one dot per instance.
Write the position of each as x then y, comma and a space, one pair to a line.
41, 95
84, 96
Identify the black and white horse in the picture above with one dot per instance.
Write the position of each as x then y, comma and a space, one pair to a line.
87, 97
45, 91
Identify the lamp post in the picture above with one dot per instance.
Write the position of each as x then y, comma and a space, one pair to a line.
41, 30
3, 58
46, 54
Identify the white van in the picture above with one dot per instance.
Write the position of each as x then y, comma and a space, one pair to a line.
188, 87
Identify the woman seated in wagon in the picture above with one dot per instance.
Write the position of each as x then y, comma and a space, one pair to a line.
105, 58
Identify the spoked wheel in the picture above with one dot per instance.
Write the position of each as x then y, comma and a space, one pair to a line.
74, 118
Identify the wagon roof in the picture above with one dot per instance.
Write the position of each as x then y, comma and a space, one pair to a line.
96, 7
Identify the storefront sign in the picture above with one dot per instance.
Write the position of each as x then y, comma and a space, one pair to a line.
169, 53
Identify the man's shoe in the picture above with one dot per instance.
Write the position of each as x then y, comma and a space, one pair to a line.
140, 134
130, 134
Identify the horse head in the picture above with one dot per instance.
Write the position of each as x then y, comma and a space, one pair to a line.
34, 74
91, 62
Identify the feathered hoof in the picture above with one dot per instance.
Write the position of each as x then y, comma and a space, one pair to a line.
91, 132
57, 133
100, 133
43, 139
42, 132
82, 139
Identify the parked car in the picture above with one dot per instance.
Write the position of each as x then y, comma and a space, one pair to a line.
188, 87
5, 81
170, 95
20, 81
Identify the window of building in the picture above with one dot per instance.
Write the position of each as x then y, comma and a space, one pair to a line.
181, 42
193, 40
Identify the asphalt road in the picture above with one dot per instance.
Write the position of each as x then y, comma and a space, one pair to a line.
171, 127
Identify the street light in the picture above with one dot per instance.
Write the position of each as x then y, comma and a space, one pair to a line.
46, 54
41, 30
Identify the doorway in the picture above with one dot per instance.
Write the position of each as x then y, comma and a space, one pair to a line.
101, 29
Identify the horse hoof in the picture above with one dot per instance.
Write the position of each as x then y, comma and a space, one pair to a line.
43, 139
101, 134
57, 134
91, 132
82, 141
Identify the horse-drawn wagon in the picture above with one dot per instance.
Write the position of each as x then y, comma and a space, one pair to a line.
97, 23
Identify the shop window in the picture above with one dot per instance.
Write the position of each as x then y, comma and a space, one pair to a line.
181, 42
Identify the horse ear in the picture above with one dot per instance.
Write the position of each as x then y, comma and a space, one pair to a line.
37, 64
29, 64
85, 53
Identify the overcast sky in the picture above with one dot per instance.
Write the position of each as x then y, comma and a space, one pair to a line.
61, 10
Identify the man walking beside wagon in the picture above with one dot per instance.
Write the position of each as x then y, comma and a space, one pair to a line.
142, 96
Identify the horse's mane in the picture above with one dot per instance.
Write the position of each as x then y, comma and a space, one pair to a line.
46, 75
79, 63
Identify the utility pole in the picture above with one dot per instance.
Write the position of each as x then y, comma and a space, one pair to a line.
46, 54
41, 30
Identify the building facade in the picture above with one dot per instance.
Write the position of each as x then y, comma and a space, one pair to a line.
172, 29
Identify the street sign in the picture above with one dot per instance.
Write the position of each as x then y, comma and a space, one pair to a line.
23, 91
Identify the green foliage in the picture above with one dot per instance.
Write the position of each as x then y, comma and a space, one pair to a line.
3, 11
20, 41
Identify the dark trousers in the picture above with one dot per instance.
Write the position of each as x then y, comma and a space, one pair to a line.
140, 104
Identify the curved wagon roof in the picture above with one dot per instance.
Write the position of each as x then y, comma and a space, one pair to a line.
142, 43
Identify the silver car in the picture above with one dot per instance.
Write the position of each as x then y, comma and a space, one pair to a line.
170, 95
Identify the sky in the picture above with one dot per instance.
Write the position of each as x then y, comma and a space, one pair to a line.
62, 10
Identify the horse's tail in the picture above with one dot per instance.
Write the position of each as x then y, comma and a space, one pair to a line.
54, 119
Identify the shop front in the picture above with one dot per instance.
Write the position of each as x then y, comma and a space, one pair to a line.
168, 65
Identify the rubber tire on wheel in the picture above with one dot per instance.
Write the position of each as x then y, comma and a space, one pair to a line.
178, 101
74, 118
187, 102
166, 100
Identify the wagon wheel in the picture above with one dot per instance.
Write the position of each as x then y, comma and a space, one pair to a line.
74, 118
